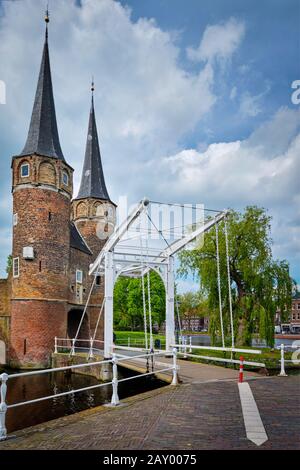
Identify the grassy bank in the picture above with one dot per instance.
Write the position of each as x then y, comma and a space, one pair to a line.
136, 338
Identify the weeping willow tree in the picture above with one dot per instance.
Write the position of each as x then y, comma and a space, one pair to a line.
259, 284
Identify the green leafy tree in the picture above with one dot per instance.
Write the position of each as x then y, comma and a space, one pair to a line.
259, 285
128, 302
192, 304
9, 264
121, 318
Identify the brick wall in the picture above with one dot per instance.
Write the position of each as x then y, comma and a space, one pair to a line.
80, 260
295, 314
40, 292
5, 288
45, 294
43, 223
34, 324
5, 293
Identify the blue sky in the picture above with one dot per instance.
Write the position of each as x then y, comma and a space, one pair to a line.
193, 100
270, 51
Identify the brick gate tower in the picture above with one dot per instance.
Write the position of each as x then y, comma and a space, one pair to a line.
42, 191
55, 239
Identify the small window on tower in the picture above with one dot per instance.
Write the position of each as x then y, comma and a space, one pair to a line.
65, 178
25, 170
15, 219
78, 276
98, 280
16, 267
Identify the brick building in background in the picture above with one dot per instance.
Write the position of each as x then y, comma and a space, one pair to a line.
54, 238
295, 314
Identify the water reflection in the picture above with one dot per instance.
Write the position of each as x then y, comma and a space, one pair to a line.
28, 388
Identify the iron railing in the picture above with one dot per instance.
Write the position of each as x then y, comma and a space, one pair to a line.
283, 360
183, 348
73, 344
115, 360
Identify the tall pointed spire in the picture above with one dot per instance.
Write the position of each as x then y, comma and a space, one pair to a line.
43, 136
92, 179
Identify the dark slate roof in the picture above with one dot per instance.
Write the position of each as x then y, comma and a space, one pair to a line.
92, 179
43, 136
76, 240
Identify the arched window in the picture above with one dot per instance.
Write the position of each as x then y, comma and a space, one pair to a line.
47, 173
98, 209
65, 178
81, 210
25, 170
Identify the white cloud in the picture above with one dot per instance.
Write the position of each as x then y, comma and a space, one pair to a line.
252, 171
219, 41
233, 93
146, 103
143, 96
252, 105
240, 169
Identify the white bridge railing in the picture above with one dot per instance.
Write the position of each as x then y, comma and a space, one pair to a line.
80, 345
183, 348
115, 360
283, 360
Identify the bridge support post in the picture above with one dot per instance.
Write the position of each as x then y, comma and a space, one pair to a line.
3, 406
115, 398
175, 378
73, 347
282, 369
170, 320
108, 308
91, 351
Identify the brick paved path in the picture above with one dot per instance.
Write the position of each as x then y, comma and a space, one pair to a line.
190, 416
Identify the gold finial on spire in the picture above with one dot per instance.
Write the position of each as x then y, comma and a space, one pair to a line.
92, 85
47, 16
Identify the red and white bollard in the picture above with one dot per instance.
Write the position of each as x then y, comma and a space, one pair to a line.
241, 373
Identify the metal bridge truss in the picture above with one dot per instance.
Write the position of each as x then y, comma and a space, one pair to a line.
138, 245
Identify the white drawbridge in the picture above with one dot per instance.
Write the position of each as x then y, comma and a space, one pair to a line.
143, 242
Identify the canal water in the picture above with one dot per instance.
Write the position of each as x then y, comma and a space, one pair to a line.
30, 387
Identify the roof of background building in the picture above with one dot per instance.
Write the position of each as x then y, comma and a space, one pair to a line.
76, 240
